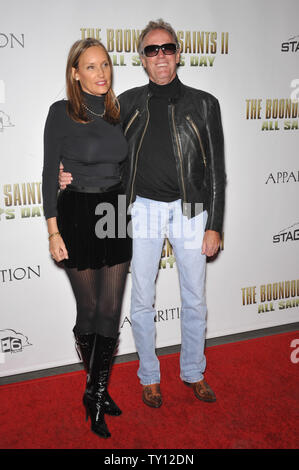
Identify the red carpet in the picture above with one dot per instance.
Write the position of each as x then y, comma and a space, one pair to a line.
257, 407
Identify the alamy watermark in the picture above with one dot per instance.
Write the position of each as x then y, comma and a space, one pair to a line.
294, 96
152, 220
295, 353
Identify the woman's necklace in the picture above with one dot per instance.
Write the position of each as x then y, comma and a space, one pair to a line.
92, 112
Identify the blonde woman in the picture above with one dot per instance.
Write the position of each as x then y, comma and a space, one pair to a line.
83, 133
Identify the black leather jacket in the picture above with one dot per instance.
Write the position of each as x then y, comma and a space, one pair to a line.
197, 137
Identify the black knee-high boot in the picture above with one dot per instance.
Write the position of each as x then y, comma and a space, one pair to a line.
96, 389
84, 347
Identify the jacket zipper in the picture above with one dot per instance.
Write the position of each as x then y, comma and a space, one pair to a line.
139, 146
179, 152
131, 121
199, 138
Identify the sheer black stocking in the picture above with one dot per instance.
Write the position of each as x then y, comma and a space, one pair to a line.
99, 295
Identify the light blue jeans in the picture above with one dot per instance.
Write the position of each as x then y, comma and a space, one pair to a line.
152, 222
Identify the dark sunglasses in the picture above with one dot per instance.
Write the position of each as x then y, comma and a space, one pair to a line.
153, 50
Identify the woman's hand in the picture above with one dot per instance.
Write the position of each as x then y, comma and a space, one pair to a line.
57, 248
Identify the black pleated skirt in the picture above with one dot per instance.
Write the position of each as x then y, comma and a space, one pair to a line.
94, 228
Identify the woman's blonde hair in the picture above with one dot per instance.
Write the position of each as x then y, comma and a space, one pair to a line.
73, 88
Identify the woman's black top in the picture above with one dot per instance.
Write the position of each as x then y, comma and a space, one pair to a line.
92, 152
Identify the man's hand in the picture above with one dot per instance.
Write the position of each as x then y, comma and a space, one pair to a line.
211, 243
64, 178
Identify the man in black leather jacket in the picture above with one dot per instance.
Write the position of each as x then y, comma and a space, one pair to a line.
176, 160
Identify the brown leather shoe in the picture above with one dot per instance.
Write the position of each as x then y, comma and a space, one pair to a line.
202, 391
151, 395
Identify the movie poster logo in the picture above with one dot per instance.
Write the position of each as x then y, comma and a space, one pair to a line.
291, 45
21, 200
19, 274
283, 177
276, 114
12, 40
279, 296
167, 256
287, 235
12, 342
5, 119
162, 316
198, 48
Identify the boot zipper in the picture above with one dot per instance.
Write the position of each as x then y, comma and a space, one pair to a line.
199, 138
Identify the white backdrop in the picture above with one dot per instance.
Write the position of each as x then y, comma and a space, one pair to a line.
247, 57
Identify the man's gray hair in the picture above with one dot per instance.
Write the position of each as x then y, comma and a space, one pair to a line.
152, 25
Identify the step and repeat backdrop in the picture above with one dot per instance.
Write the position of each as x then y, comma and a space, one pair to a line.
244, 53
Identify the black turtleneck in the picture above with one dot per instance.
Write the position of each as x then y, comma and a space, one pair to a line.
156, 176
92, 152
